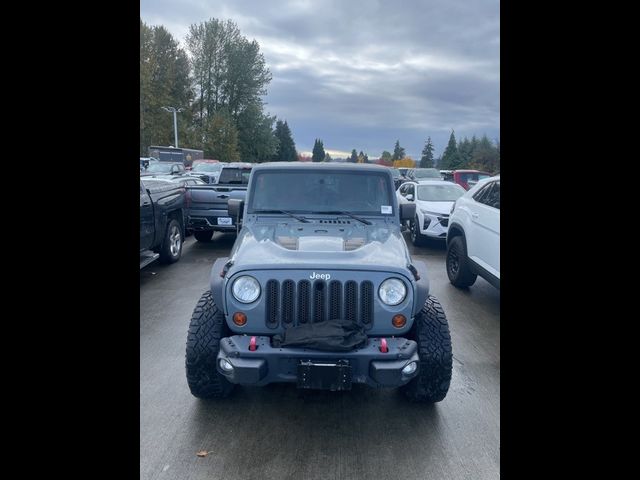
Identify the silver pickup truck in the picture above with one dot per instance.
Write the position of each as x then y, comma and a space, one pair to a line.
319, 290
206, 205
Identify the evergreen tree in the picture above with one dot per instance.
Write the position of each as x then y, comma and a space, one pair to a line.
318, 151
427, 155
286, 150
465, 151
450, 157
398, 151
354, 156
256, 140
327, 157
486, 156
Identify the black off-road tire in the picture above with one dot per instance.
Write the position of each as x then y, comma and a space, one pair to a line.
417, 238
206, 329
458, 270
203, 235
171, 248
431, 332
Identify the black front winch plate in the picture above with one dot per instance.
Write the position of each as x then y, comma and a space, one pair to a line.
320, 375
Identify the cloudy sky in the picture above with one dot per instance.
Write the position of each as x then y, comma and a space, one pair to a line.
364, 73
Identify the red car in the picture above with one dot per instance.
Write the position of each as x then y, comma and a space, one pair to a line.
465, 178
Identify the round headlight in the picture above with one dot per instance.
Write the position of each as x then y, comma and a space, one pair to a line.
246, 289
392, 291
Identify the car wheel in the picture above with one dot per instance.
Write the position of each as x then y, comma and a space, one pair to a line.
417, 238
431, 332
206, 328
171, 248
203, 235
458, 270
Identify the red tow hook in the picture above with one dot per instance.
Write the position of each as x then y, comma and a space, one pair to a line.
252, 344
383, 345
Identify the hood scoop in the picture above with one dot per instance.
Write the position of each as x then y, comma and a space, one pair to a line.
320, 243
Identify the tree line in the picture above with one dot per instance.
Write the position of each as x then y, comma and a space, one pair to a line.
218, 82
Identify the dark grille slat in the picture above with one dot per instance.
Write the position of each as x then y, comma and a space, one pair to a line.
319, 308
288, 293
366, 302
304, 291
335, 300
272, 303
351, 301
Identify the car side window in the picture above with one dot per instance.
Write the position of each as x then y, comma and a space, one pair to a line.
410, 190
403, 190
493, 196
480, 194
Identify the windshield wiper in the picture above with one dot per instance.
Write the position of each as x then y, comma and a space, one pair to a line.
348, 214
297, 217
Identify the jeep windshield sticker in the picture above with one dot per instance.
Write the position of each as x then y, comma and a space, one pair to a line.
385, 209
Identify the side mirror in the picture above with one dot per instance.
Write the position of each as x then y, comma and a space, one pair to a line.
407, 211
236, 207
410, 197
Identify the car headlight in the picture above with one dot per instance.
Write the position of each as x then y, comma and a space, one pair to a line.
392, 291
246, 289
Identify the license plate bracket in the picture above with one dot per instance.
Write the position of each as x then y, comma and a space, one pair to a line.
225, 221
324, 375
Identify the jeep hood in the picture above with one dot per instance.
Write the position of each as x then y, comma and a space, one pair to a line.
318, 245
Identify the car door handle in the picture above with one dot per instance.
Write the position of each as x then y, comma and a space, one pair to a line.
474, 215
223, 196
146, 204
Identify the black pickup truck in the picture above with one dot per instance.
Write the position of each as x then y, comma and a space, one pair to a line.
206, 205
161, 220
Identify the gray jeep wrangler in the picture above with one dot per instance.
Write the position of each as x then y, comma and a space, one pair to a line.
319, 243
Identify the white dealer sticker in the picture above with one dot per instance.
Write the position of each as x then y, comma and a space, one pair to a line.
385, 209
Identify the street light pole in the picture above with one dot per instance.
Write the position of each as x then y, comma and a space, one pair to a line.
175, 121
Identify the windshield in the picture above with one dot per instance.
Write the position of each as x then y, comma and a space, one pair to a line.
426, 173
159, 167
447, 192
367, 193
206, 167
238, 176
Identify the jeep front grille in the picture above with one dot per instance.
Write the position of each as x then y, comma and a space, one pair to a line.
318, 302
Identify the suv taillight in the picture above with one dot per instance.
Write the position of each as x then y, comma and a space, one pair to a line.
187, 198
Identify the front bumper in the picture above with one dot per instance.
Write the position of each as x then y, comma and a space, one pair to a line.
268, 364
434, 225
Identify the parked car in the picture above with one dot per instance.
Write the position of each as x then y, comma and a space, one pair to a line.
465, 178
207, 170
473, 240
320, 290
424, 174
433, 200
398, 177
207, 204
182, 180
164, 168
162, 220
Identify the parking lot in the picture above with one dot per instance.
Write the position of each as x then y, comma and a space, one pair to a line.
279, 432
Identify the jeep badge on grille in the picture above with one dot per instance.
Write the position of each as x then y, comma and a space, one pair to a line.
321, 276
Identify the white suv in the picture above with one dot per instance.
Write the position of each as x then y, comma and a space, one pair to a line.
473, 238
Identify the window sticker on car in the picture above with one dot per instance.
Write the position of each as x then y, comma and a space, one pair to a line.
385, 209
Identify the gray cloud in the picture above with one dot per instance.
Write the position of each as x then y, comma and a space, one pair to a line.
362, 74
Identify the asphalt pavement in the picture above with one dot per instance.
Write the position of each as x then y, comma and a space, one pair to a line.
280, 432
